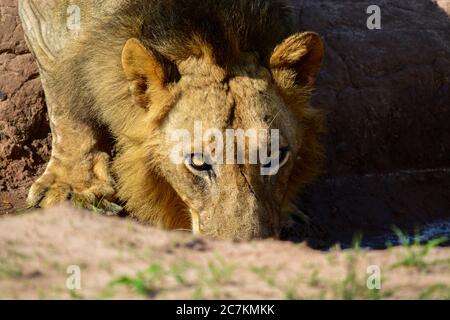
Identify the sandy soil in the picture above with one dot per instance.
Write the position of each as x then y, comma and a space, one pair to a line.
119, 258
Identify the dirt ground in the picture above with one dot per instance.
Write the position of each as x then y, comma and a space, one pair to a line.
118, 258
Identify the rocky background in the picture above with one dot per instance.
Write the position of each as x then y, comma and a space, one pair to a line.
24, 129
386, 93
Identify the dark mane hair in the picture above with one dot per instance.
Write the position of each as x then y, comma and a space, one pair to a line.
177, 28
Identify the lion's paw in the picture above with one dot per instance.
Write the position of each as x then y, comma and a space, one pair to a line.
95, 195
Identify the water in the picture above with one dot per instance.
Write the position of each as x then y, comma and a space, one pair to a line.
435, 230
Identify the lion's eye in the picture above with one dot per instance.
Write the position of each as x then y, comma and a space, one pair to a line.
282, 156
197, 164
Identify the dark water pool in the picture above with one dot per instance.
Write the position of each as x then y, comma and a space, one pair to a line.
429, 232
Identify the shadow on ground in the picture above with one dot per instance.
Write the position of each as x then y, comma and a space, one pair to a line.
372, 206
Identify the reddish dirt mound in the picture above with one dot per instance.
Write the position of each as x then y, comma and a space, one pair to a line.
38, 250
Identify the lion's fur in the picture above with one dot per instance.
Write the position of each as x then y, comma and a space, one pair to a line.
200, 44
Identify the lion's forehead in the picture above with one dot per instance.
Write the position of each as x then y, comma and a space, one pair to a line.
239, 103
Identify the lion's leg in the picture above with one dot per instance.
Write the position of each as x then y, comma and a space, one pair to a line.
78, 169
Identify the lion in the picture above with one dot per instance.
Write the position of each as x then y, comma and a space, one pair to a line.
138, 70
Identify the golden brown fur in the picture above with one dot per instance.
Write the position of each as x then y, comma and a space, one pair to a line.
153, 67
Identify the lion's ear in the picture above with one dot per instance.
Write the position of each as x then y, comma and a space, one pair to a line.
143, 70
297, 60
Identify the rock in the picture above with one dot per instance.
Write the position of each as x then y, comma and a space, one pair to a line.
23, 120
386, 92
